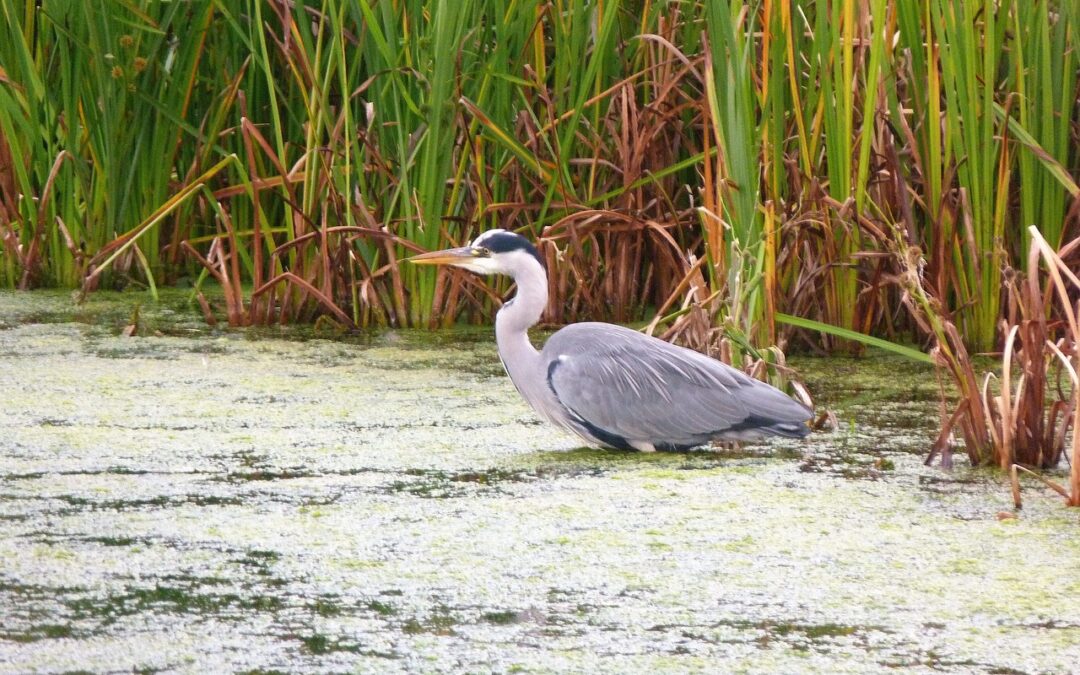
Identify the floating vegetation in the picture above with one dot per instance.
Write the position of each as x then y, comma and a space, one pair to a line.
542, 556
817, 175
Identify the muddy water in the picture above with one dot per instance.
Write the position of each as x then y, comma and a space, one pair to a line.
190, 500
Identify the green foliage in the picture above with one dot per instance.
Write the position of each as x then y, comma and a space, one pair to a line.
301, 150
868, 340
101, 99
731, 100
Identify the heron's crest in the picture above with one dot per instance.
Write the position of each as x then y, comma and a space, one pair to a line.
501, 241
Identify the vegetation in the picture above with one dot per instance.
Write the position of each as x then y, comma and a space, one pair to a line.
864, 167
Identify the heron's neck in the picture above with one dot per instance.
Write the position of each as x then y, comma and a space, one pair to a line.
513, 321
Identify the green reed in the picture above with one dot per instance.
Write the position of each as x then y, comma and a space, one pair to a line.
109, 89
783, 140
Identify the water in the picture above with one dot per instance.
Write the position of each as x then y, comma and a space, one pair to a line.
190, 500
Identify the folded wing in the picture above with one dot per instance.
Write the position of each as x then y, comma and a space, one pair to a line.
640, 389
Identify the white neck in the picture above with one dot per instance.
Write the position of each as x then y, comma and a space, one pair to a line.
513, 321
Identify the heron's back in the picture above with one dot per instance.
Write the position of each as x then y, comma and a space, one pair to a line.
627, 390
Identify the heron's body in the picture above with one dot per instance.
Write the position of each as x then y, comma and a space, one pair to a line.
613, 386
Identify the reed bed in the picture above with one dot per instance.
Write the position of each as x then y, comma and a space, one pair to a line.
808, 170
634, 138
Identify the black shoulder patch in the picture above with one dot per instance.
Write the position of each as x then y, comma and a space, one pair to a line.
505, 242
770, 426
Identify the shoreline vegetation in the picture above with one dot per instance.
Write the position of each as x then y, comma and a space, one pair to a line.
789, 174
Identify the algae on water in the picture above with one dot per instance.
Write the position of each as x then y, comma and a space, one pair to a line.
212, 500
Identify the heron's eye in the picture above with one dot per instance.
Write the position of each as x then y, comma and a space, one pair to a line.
483, 252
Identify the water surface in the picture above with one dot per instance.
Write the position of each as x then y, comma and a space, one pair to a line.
197, 500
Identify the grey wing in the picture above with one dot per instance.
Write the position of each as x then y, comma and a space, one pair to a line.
632, 387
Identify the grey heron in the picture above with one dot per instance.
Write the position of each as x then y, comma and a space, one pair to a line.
613, 386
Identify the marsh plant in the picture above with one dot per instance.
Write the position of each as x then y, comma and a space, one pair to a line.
310, 146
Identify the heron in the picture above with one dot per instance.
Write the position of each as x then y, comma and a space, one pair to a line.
613, 386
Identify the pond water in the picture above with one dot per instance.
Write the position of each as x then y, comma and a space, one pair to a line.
200, 500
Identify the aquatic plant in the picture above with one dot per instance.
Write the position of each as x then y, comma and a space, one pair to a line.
94, 111
1065, 412
714, 164
1013, 425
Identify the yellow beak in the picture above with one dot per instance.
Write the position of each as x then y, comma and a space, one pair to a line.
445, 257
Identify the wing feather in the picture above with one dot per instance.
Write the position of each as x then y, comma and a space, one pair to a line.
643, 389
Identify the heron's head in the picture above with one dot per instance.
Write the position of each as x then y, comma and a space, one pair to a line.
493, 252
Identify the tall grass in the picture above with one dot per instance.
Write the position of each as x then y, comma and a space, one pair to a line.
1044, 80
93, 111
991, 59
713, 163
734, 225
971, 41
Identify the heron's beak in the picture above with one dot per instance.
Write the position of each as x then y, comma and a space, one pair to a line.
449, 256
